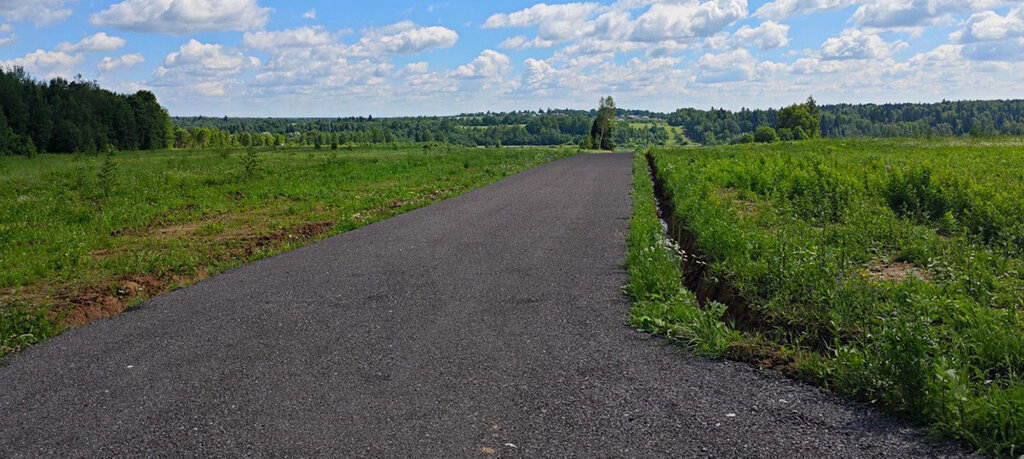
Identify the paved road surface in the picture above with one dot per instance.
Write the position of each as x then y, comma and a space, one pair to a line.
488, 323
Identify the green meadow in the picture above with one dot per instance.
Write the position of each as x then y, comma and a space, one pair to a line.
889, 271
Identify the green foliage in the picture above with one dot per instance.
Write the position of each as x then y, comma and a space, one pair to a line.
223, 151
889, 270
76, 116
661, 303
765, 134
107, 176
642, 134
803, 117
22, 326
640, 129
20, 145
483, 129
944, 119
252, 164
747, 138
953, 204
586, 143
602, 133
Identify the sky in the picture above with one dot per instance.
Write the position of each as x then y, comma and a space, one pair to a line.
441, 57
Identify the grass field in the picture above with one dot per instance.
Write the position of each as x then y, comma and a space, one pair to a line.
82, 238
676, 135
890, 271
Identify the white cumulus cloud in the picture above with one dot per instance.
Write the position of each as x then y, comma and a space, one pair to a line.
109, 64
687, 19
913, 15
768, 35
302, 37
98, 42
856, 44
990, 26
488, 64
204, 67
40, 12
405, 37
731, 66
784, 9
50, 64
180, 17
555, 23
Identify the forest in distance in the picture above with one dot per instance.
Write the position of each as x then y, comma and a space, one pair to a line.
77, 116
635, 128
61, 116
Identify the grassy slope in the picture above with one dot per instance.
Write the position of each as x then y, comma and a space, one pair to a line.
676, 135
75, 247
899, 285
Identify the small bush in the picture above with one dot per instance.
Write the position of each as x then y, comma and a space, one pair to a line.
252, 164
107, 178
765, 134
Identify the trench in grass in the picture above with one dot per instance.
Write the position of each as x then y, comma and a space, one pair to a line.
694, 264
902, 364
709, 290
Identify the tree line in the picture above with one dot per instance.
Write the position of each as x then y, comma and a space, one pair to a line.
520, 128
988, 118
62, 116
78, 116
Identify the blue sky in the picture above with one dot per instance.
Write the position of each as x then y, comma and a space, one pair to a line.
388, 58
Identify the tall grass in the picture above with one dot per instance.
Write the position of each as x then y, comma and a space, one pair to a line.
888, 271
661, 303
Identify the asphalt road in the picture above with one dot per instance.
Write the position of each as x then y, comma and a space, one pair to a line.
490, 323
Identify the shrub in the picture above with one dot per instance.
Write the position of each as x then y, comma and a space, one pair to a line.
107, 173
251, 162
22, 146
747, 138
765, 134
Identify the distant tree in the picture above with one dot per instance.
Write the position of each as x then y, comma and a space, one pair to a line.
251, 162
586, 143
603, 130
708, 138
804, 116
747, 138
765, 134
785, 134
223, 151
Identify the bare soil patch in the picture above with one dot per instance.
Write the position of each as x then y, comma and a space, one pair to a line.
898, 271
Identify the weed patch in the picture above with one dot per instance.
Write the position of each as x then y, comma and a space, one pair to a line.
893, 278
